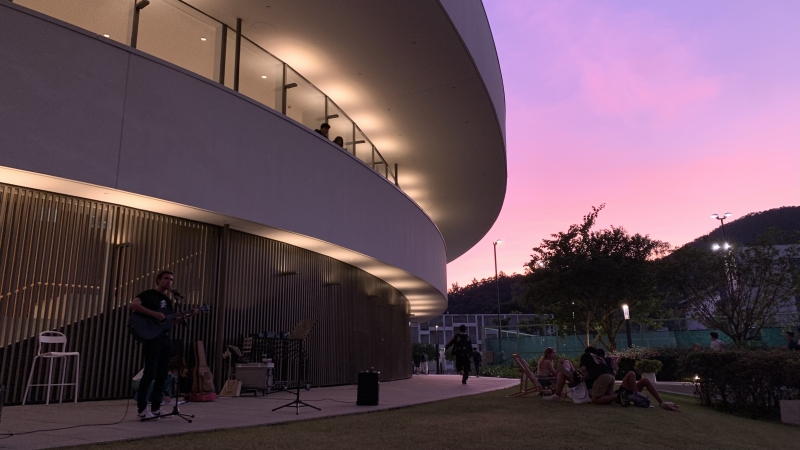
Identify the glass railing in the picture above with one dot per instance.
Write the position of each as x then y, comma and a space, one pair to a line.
182, 35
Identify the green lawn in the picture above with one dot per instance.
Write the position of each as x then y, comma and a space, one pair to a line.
494, 421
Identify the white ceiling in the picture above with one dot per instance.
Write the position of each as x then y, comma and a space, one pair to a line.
400, 70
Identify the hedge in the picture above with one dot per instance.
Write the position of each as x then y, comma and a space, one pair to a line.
500, 371
746, 382
669, 356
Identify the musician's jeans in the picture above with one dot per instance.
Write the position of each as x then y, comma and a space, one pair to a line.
156, 354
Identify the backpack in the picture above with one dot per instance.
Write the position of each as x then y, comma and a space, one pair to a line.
462, 347
637, 399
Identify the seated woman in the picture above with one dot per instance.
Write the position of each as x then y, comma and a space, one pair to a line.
545, 372
562, 373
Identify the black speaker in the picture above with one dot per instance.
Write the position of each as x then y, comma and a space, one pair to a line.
368, 386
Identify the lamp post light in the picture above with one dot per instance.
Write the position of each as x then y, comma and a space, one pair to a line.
626, 312
497, 285
721, 218
437, 350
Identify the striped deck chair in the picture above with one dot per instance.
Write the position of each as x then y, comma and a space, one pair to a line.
526, 377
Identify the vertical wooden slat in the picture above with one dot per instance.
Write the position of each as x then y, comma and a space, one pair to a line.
65, 269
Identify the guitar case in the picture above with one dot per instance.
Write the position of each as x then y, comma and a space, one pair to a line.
202, 378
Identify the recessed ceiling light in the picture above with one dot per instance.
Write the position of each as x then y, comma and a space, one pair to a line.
202, 39
263, 76
105, 35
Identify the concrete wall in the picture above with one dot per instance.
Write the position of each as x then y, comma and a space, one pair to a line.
81, 107
469, 19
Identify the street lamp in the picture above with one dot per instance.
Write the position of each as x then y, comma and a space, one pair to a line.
497, 284
626, 312
721, 219
437, 349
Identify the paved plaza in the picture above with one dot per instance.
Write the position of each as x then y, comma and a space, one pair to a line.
223, 413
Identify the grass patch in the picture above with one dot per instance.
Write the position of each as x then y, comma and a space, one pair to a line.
492, 420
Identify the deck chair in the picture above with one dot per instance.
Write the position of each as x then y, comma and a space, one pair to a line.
526, 377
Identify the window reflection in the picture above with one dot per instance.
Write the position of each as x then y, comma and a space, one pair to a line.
110, 18
260, 75
179, 34
341, 126
363, 147
304, 102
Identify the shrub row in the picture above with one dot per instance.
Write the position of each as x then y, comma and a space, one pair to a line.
746, 382
500, 371
670, 358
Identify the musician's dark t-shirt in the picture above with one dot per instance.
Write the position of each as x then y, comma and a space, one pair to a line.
156, 301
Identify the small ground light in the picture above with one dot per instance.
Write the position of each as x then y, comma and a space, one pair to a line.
263, 76
105, 35
202, 39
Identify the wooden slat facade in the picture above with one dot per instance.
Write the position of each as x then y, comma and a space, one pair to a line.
73, 265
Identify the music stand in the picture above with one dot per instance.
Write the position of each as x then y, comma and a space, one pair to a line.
294, 345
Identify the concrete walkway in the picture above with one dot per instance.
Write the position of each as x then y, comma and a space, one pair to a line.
224, 413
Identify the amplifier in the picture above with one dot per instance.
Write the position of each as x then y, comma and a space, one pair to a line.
368, 386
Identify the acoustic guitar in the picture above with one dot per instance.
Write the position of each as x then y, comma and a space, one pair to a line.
144, 327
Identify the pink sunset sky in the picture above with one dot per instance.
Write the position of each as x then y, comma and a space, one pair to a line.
665, 111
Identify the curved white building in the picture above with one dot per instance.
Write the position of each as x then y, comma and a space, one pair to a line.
138, 136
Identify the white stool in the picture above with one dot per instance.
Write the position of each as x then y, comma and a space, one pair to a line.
57, 339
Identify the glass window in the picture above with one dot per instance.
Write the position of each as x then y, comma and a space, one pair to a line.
174, 32
230, 57
260, 75
104, 17
380, 164
362, 147
341, 126
304, 102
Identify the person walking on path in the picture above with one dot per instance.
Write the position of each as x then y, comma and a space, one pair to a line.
462, 350
423, 365
417, 358
716, 344
477, 359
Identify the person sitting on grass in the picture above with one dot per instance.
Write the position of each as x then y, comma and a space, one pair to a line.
599, 377
629, 384
564, 374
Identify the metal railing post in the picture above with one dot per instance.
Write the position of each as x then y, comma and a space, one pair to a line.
237, 55
138, 6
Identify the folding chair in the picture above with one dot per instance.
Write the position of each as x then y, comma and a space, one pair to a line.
526, 377
59, 340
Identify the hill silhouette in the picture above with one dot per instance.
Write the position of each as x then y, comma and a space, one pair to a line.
480, 296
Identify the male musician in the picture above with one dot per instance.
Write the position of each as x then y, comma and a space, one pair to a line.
158, 351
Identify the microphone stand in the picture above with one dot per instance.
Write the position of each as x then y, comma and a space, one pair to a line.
176, 386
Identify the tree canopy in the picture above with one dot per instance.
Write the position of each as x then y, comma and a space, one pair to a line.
737, 291
584, 276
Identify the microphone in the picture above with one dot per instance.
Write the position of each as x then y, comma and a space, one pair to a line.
176, 293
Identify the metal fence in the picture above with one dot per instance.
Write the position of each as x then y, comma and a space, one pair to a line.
530, 341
